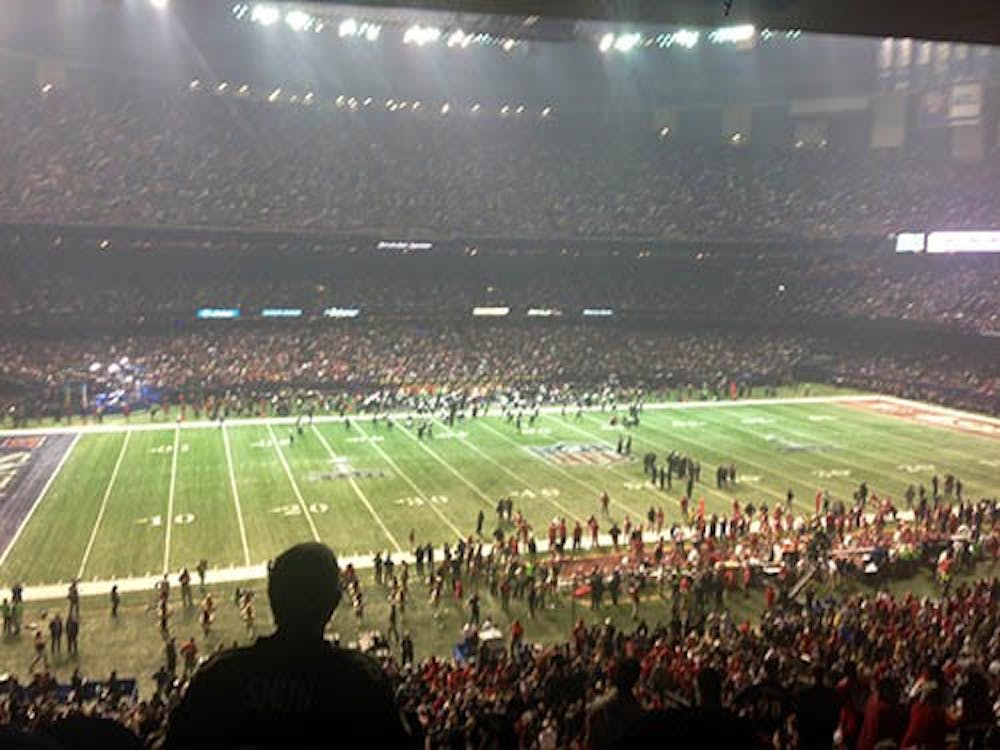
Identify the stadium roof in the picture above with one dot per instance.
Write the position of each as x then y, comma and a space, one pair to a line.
963, 20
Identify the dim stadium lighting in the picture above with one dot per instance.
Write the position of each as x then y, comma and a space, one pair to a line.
298, 20
348, 27
607, 41
265, 15
244, 89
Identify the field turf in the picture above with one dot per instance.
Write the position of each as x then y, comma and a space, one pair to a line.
130, 502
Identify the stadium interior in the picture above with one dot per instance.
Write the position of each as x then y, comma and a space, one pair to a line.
409, 282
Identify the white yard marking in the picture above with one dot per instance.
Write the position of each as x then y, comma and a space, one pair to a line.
236, 495
562, 471
831, 473
104, 505
357, 489
38, 500
295, 485
458, 475
170, 500
821, 418
519, 478
702, 486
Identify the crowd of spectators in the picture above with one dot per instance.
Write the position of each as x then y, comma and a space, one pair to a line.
149, 157
836, 671
247, 371
48, 286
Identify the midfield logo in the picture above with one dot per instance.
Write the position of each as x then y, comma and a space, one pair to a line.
578, 454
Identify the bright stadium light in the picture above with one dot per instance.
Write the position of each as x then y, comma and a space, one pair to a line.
348, 27
733, 34
222, 87
421, 35
445, 108
508, 45
456, 37
194, 84
298, 20
546, 112
265, 15
685, 38
244, 89
159, 4
505, 110
520, 109
273, 96
627, 42
476, 107
607, 41
372, 31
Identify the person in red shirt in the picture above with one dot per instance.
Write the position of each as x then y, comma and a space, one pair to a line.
928, 726
883, 718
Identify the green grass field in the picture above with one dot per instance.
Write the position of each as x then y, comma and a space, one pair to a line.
136, 502
239, 496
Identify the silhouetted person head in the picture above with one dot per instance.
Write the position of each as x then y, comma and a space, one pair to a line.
626, 675
303, 586
709, 688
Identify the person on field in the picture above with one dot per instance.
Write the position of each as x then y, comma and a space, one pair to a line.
292, 688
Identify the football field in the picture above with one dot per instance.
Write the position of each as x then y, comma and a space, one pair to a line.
129, 501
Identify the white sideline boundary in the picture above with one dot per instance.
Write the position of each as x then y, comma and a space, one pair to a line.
554, 409
38, 500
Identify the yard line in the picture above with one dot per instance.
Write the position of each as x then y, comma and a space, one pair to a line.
702, 488
686, 437
236, 495
519, 478
358, 491
291, 479
170, 499
413, 485
104, 504
583, 482
449, 467
38, 500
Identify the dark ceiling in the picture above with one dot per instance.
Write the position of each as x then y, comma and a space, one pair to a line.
959, 20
